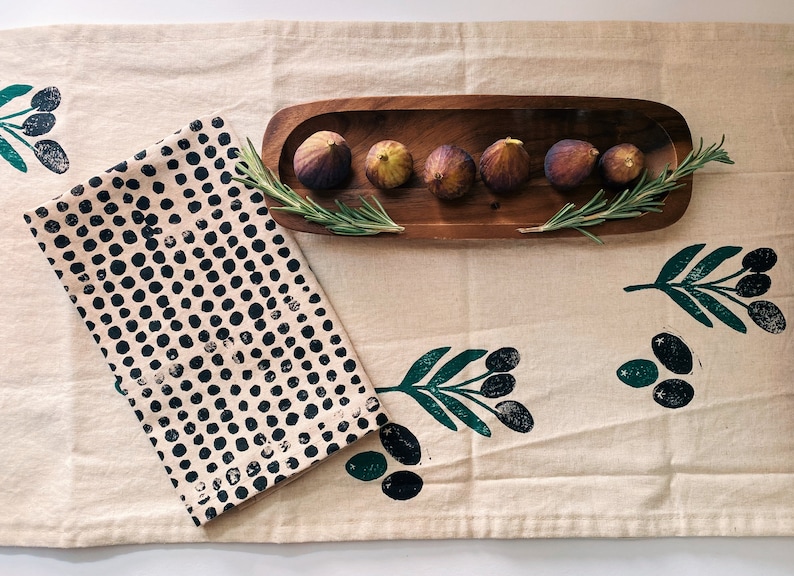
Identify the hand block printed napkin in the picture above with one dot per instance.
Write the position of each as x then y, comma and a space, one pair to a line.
209, 316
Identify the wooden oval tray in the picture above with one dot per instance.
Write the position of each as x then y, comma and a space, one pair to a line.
474, 122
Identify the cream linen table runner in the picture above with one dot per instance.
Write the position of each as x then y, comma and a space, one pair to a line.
558, 388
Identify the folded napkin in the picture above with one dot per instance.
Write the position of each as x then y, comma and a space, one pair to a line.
217, 331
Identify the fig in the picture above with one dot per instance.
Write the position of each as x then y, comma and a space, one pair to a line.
388, 164
323, 160
569, 162
621, 164
504, 165
449, 172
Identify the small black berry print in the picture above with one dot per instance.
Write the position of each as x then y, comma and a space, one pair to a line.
703, 298
674, 355
209, 317
38, 121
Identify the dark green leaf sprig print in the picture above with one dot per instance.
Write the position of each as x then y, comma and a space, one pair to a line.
690, 287
432, 384
403, 446
38, 120
674, 355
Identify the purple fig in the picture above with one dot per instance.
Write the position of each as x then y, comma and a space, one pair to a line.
504, 165
569, 162
449, 172
621, 164
323, 160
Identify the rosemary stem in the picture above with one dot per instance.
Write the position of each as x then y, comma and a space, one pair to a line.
646, 196
366, 220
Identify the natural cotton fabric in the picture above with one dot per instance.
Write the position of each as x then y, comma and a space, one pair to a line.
602, 458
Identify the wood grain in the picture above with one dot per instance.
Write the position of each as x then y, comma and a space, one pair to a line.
473, 122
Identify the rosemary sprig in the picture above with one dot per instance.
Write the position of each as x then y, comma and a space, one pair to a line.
367, 220
645, 196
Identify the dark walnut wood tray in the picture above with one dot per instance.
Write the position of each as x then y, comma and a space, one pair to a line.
474, 122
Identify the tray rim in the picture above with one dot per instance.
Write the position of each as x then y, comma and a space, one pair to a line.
286, 119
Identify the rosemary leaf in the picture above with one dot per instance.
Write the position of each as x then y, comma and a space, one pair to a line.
646, 196
366, 220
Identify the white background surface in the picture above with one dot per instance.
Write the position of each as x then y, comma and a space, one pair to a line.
679, 557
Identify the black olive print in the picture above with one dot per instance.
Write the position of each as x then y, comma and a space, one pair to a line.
205, 311
673, 393
402, 485
676, 357
672, 352
401, 444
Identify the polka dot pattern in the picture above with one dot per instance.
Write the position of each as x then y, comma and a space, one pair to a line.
236, 366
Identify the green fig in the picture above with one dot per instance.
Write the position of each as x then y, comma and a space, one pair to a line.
504, 165
323, 160
449, 172
621, 164
388, 164
569, 162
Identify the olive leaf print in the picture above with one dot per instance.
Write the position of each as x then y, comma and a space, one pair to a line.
38, 121
703, 298
434, 388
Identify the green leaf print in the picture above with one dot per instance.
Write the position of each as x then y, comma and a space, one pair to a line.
699, 296
447, 396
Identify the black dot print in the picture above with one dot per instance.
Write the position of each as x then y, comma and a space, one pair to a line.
209, 316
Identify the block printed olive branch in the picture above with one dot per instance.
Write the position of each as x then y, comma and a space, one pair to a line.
39, 121
444, 400
696, 295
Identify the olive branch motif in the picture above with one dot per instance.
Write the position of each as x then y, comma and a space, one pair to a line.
39, 121
441, 398
697, 295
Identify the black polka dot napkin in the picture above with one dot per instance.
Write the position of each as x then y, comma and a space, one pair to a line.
218, 333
